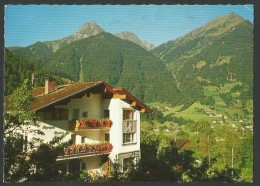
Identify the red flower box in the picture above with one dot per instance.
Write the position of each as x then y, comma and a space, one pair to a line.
88, 148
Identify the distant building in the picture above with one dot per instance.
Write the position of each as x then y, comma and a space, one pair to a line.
250, 127
179, 143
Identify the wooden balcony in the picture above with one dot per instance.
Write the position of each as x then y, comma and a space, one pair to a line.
85, 150
89, 123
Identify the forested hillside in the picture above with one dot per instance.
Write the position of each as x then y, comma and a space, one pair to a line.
37, 53
119, 62
18, 68
218, 53
108, 58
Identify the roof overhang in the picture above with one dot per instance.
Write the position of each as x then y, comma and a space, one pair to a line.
121, 93
35, 107
116, 93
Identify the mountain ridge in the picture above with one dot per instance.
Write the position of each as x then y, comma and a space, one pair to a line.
227, 22
109, 58
207, 56
133, 37
211, 55
87, 30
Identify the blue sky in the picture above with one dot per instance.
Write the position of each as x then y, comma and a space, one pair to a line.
27, 24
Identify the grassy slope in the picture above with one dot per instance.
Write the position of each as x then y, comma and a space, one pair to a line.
219, 108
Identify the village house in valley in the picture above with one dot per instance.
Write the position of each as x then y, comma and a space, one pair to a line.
103, 124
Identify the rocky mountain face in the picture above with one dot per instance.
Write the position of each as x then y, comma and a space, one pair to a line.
85, 31
133, 38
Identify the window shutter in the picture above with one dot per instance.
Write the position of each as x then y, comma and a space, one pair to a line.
124, 126
134, 126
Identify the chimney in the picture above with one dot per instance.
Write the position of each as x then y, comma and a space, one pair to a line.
49, 85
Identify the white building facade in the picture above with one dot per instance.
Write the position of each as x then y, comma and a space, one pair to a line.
102, 122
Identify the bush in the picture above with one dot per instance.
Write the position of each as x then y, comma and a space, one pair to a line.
85, 176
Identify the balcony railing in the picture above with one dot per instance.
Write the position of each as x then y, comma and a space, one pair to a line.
87, 149
89, 123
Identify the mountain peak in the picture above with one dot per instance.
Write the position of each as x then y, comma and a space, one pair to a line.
133, 38
230, 19
233, 17
90, 27
203, 37
85, 31
217, 26
127, 34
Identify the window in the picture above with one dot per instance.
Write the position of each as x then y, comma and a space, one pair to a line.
56, 114
83, 166
61, 114
127, 162
83, 139
73, 138
128, 137
107, 137
84, 114
128, 114
106, 113
129, 126
75, 114
48, 115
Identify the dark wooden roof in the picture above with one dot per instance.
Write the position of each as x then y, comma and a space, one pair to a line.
65, 92
179, 143
62, 93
